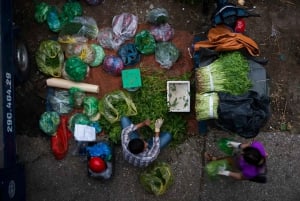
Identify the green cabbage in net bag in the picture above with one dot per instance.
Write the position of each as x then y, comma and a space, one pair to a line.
157, 178
166, 54
99, 55
50, 58
145, 42
78, 118
70, 10
116, 104
41, 12
75, 69
212, 168
90, 106
49, 122
76, 97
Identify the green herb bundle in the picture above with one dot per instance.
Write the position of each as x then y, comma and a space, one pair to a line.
229, 73
206, 106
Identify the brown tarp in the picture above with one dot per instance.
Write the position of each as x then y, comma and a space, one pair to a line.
221, 38
108, 83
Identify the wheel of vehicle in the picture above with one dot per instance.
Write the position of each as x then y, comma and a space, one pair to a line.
22, 69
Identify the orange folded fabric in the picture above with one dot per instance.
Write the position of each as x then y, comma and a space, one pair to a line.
221, 38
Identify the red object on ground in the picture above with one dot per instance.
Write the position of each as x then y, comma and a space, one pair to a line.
240, 26
59, 142
97, 164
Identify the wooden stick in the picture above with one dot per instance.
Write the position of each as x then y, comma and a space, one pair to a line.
67, 84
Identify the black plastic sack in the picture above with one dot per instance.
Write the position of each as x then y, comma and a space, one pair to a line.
244, 114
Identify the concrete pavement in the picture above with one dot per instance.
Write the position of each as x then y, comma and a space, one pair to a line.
66, 180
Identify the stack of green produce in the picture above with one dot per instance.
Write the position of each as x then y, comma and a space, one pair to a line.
229, 73
206, 106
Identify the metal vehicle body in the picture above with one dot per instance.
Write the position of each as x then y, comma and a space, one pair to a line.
12, 53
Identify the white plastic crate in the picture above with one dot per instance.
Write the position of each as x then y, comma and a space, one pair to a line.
178, 96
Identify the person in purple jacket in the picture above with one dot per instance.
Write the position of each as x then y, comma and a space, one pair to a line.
249, 164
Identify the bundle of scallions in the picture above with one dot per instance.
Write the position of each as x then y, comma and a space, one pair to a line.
206, 106
228, 73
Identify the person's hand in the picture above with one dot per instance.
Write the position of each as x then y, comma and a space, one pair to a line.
158, 124
222, 171
147, 122
233, 144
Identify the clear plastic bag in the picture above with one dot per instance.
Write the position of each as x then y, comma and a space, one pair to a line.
82, 50
116, 104
162, 33
50, 58
59, 101
108, 39
125, 25
157, 178
81, 26
166, 53
158, 16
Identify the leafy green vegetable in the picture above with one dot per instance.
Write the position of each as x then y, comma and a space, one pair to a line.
50, 58
206, 106
212, 167
157, 178
151, 103
116, 104
222, 145
229, 73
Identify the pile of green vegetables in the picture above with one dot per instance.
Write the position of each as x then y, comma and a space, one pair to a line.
206, 106
151, 103
228, 73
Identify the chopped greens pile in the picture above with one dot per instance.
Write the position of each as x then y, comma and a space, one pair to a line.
151, 103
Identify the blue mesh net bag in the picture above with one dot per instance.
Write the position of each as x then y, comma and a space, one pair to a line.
129, 54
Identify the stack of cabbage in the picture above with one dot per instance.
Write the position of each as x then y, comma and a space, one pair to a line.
229, 74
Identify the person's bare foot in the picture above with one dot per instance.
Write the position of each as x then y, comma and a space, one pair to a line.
209, 157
